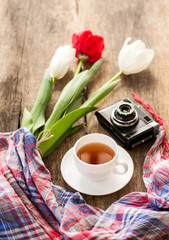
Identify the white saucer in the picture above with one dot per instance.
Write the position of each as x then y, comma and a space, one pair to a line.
81, 184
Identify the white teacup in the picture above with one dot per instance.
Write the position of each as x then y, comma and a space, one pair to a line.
99, 171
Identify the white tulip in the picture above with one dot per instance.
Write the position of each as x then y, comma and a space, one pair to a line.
135, 57
60, 62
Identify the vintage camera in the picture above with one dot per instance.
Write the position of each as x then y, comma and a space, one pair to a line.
127, 123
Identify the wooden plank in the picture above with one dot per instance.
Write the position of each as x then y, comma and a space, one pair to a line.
13, 20
32, 30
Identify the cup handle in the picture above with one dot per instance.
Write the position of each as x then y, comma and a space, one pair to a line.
121, 168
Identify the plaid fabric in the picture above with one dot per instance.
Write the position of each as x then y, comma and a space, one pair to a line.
31, 207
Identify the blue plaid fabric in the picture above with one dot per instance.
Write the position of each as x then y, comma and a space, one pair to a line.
31, 207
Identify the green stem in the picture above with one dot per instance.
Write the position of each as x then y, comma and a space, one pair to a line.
111, 80
100, 94
79, 66
115, 77
53, 80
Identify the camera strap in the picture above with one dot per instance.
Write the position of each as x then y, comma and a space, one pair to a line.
158, 119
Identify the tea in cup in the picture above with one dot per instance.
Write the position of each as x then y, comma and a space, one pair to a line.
96, 157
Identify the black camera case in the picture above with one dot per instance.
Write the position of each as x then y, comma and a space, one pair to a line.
128, 136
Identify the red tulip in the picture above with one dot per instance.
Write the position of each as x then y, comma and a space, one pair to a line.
88, 46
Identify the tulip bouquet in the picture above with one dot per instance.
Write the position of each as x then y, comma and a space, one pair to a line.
87, 47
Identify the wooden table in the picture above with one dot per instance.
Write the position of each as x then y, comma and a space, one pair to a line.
32, 30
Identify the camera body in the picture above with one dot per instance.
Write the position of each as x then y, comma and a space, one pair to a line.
127, 123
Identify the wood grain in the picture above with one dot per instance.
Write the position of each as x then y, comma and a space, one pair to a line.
32, 30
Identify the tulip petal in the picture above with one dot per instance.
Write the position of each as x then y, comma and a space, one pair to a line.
78, 41
88, 45
137, 45
135, 57
95, 48
128, 39
142, 61
60, 62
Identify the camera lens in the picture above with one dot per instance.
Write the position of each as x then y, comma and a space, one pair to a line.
124, 115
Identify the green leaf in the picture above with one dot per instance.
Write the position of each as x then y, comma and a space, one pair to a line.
27, 120
70, 91
100, 94
91, 72
69, 132
44, 96
75, 104
61, 127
